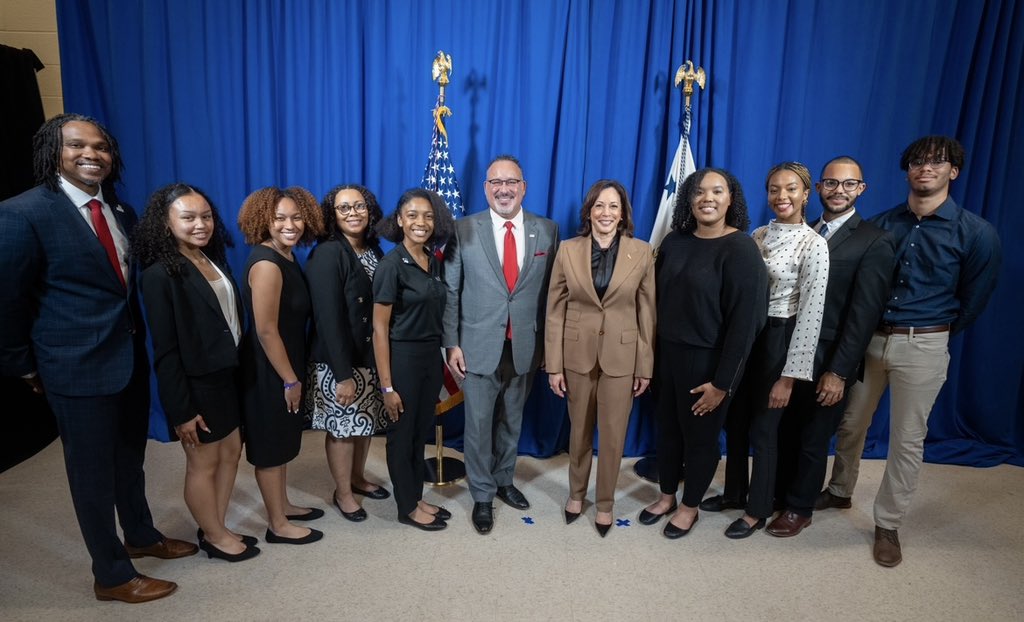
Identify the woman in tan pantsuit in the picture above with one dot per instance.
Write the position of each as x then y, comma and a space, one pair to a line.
597, 341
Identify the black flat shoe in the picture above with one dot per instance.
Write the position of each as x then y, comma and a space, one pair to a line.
739, 529
215, 553
356, 516
379, 493
602, 529
483, 517
246, 540
672, 532
435, 525
312, 514
443, 513
311, 537
649, 518
719, 503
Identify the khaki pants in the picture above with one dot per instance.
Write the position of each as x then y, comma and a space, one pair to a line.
914, 367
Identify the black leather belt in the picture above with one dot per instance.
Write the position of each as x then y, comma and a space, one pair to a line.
889, 329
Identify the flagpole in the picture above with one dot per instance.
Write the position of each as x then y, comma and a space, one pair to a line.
441, 470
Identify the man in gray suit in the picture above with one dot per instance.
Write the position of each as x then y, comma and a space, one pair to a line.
497, 268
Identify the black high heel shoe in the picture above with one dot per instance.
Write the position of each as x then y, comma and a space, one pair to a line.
214, 553
602, 529
571, 516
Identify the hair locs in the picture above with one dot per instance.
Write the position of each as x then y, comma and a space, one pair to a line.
48, 142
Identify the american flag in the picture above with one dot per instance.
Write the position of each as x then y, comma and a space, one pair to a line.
439, 176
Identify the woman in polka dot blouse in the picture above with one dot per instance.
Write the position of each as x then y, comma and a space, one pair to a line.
797, 261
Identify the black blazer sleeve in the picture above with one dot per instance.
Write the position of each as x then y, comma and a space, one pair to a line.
327, 272
172, 381
869, 292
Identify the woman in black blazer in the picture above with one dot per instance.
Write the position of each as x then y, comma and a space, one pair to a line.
195, 316
344, 397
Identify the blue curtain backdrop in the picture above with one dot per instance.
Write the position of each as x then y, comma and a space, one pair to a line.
234, 95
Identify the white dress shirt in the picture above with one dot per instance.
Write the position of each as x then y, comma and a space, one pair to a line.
498, 227
80, 199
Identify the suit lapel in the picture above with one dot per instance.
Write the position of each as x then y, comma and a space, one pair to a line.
195, 280
485, 233
90, 242
579, 262
625, 262
844, 232
530, 230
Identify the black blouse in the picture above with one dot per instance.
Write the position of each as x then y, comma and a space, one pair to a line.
417, 296
602, 264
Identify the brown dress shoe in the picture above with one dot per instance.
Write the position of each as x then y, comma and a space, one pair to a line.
168, 548
887, 547
828, 500
139, 590
788, 524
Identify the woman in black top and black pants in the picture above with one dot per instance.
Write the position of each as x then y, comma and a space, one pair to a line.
713, 285
409, 297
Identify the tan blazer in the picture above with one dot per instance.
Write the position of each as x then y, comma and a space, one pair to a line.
617, 332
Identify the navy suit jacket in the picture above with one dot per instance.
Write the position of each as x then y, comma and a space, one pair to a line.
63, 311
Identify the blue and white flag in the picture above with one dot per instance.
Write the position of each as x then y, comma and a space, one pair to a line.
682, 166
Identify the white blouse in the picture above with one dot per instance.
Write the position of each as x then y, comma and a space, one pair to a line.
226, 297
797, 261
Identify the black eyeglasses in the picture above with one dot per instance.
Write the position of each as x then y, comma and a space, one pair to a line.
848, 185
345, 209
934, 162
510, 183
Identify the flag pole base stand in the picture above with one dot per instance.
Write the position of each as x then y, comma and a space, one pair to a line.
442, 470
449, 471
647, 468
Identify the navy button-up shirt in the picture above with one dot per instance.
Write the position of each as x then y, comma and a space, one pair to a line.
947, 264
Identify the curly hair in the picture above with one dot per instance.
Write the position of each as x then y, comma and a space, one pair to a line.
444, 223
153, 242
625, 225
48, 142
936, 147
257, 214
373, 213
735, 216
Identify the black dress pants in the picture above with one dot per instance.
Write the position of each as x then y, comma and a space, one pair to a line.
804, 435
416, 375
680, 431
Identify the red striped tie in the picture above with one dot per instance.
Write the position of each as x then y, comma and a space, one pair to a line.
99, 222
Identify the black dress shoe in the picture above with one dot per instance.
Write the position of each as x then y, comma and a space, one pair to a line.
443, 513
380, 493
483, 517
828, 500
247, 540
672, 532
312, 536
215, 553
512, 496
312, 514
719, 503
435, 525
649, 518
356, 516
739, 529
602, 529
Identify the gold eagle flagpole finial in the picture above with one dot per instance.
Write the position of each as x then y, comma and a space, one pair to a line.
440, 68
686, 75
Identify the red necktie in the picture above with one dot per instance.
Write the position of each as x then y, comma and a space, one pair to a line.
99, 222
510, 267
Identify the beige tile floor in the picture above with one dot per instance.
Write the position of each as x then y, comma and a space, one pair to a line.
963, 556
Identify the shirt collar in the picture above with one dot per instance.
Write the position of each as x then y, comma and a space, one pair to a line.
498, 223
835, 223
78, 197
946, 211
